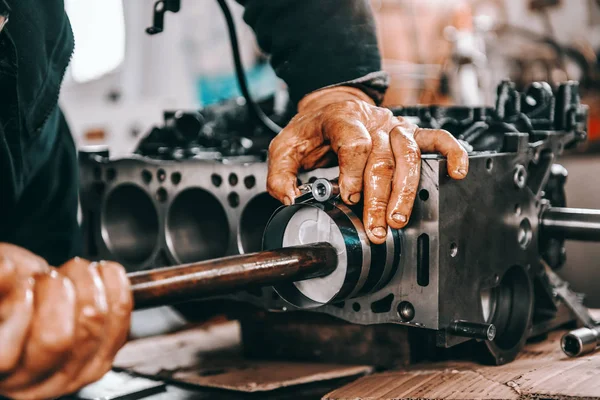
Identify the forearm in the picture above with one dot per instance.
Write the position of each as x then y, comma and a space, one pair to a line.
319, 43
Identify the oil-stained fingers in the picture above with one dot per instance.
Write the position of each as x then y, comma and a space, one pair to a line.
90, 321
120, 305
8, 274
353, 144
286, 153
441, 141
16, 311
377, 187
406, 176
51, 333
27, 263
91, 312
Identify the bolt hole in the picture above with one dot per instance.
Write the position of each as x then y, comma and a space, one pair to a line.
524, 234
161, 175
517, 209
161, 195
250, 181
321, 189
453, 249
233, 179
111, 174
423, 194
489, 164
175, 178
216, 180
571, 345
356, 307
233, 199
520, 176
146, 176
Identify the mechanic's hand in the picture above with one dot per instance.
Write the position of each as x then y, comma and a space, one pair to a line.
378, 153
59, 328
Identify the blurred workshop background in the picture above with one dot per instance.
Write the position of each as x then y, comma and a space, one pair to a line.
436, 51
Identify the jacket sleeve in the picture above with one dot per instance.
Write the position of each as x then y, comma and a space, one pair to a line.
319, 43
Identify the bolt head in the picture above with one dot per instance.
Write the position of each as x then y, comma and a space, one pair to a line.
491, 332
406, 311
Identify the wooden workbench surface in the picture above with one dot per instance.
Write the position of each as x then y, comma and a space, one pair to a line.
542, 371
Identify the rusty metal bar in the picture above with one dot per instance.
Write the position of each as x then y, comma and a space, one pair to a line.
170, 285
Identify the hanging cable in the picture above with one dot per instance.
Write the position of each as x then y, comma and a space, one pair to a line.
253, 107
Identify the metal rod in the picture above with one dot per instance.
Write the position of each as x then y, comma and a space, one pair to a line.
473, 330
572, 223
170, 285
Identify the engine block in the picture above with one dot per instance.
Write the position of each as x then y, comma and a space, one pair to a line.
473, 257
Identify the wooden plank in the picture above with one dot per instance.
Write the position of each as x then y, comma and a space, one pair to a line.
211, 357
541, 371
260, 376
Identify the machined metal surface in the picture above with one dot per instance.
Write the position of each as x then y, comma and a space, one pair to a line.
148, 213
464, 238
580, 341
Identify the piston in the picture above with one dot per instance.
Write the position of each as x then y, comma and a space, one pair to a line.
362, 267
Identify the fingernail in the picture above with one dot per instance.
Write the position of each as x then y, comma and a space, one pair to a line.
399, 218
461, 171
287, 201
379, 232
354, 198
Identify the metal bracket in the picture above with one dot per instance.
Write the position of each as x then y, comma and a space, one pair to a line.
160, 8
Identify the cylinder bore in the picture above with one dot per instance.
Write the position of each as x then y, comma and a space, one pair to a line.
130, 224
197, 228
254, 220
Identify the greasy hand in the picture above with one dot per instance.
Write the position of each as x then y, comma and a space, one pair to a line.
59, 328
378, 154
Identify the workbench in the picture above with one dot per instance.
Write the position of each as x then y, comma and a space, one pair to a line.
205, 362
